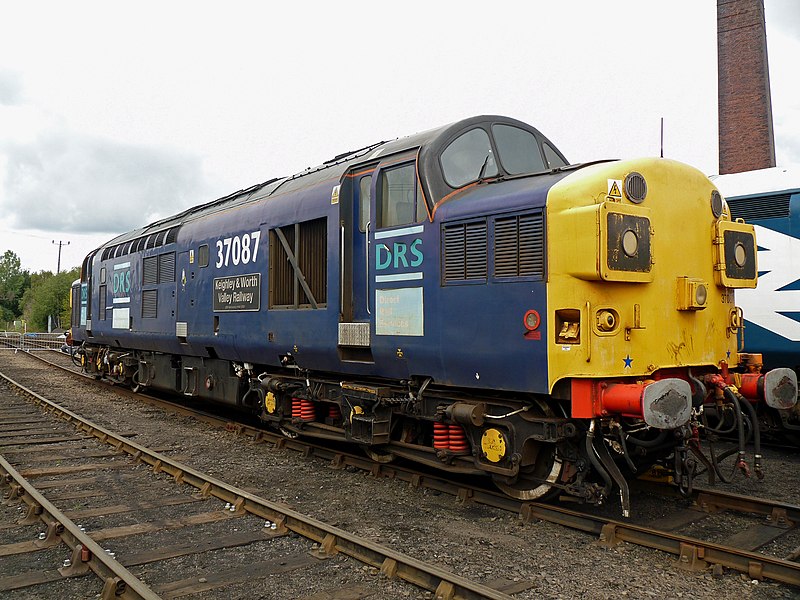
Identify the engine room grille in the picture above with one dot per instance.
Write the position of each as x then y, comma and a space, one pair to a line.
775, 206
166, 267
102, 299
519, 246
464, 251
158, 269
149, 304
150, 270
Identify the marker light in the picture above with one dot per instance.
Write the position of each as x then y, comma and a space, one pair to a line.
532, 320
716, 204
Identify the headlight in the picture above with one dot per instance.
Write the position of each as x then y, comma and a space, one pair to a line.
630, 242
701, 295
692, 293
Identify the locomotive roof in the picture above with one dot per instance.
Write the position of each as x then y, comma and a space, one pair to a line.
430, 142
762, 181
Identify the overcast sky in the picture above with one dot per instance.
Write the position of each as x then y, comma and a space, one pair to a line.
115, 114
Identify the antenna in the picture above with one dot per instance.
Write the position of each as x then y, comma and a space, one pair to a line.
662, 137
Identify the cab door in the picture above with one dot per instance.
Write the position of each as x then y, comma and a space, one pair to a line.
382, 220
355, 232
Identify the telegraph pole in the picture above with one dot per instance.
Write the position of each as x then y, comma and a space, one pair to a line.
60, 243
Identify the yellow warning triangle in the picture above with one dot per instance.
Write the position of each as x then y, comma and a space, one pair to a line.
614, 191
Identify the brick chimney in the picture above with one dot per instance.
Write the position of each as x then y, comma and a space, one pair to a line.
746, 139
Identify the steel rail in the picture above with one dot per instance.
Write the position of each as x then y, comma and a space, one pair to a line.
692, 552
332, 540
712, 500
118, 581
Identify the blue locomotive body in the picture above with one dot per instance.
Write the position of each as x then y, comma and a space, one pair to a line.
219, 281
770, 200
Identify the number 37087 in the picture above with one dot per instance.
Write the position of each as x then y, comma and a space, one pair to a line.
239, 249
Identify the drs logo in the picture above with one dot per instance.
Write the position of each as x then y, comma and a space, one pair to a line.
400, 255
122, 283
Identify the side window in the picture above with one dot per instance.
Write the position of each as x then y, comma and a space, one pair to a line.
467, 158
397, 197
202, 256
364, 197
298, 265
518, 149
553, 159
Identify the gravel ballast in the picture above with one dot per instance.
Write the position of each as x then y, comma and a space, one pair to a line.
477, 542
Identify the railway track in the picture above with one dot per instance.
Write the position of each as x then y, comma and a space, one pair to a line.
760, 521
101, 477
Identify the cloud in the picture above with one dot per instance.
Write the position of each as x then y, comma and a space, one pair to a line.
787, 147
69, 182
783, 50
782, 16
10, 88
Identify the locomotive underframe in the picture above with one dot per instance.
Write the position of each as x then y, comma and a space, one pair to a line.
526, 443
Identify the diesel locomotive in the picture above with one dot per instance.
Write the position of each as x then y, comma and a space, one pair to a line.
462, 297
770, 200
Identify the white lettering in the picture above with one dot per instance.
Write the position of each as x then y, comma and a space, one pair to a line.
241, 249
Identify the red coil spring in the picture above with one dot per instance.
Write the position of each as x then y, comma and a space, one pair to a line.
441, 437
296, 408
307, 412
458, 439
334, 414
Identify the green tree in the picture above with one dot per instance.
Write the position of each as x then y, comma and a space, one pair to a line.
48, 299
13, 284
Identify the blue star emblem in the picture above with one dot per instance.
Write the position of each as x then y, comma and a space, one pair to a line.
728, 353
627, 360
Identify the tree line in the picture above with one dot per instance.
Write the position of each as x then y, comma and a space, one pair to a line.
33, 301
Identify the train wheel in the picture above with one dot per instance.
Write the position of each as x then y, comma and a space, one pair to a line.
379, 454
289, 434
535, 481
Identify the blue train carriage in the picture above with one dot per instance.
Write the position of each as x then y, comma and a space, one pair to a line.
770, 200
462, 297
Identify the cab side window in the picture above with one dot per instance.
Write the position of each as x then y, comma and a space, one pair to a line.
519, 151
553, 159
468, 158
399, 198
365, 194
